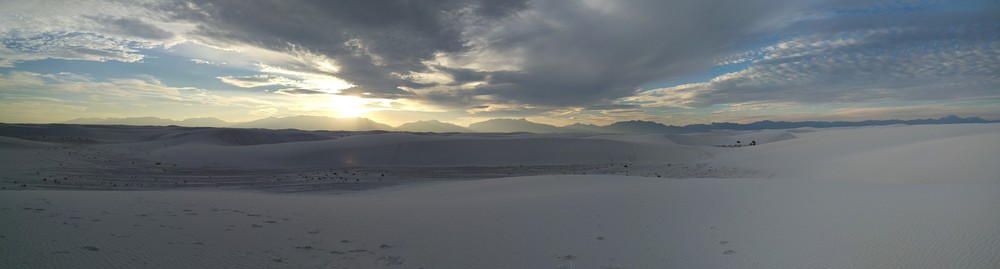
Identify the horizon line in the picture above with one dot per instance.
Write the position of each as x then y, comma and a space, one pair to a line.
229, 124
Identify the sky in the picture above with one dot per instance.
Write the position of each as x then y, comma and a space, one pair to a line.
462, 61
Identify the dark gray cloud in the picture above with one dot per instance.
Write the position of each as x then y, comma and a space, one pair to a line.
463, 75
580, 54
612, 107
592, 54
371, 40
460, 99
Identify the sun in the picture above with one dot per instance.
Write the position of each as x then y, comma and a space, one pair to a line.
348, 106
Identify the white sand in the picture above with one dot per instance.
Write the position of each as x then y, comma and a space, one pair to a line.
874, 197
923, 153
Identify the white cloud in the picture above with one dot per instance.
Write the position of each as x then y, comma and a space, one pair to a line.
258, 81
681, 96
89, 30
297, 91
303, 81
20, 80
126, 90
912, 112
68, 77
69, 46
264, 112
297, 67
206, 62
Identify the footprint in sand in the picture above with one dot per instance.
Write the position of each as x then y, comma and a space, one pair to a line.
390, 260
566, 258
361, 251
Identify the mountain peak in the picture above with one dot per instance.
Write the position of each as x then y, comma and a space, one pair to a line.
513, 125
431, 126
307, 122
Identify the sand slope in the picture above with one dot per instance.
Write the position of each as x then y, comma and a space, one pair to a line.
528, 222
423, 150
901, 153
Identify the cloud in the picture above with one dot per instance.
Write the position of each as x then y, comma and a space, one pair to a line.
297, 91
142, 89
921, 111
21, 80
58, 97
202, 61
906, 57
88, 30
266, 112
69, 46
257, 81
557, 54
132, 27
371, 40
67, 77
595, 51
305, 84
461, 76
570, 59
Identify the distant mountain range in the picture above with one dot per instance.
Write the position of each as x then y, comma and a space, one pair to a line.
153, 121
513, 125
432, 126
315, 123
505, 125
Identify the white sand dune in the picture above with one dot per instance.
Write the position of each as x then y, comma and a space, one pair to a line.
873, 197
922, 153
10, 143
529, 222
258, 148
424, 150
14, 149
